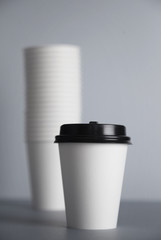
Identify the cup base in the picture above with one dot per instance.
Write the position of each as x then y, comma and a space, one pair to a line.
93, 228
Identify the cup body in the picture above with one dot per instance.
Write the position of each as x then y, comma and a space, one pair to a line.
92, 180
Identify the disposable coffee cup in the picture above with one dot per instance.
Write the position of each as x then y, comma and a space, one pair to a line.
53, 97
92, 161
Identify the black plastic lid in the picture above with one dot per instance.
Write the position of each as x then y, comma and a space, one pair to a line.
93, 132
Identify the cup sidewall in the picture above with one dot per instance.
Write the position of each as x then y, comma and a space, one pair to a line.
92, 179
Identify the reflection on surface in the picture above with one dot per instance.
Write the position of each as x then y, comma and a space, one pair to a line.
22, 212
137, 220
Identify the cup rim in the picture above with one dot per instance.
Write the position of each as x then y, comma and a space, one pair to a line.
49, 46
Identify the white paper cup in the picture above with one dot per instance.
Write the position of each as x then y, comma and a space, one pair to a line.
37, 74
58, 107
44, 133
55, 92
52, 84
53, 78
33, 127
53, 121
58, 93
92, 174
55, 95
52, 59
52, 106
45, 117
54, 114
48, 120
40, 138
48, 53
40, 128
59, 100
53, 111
43, 130
53, 48
46, 181
68, 64
58, 97
44, 85
50, 99
59, 110
45, 105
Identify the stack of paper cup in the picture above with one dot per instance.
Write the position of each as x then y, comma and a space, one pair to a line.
53, 97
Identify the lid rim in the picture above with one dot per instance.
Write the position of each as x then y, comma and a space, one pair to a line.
82, 139
93, 132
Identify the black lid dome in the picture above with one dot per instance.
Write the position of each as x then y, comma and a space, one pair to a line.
93, 132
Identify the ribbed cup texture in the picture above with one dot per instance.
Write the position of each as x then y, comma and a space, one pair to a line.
53, 90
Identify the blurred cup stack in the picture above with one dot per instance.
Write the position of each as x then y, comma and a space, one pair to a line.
53, 97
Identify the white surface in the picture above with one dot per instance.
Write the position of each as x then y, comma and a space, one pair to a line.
92, 179
45, 174
137, 221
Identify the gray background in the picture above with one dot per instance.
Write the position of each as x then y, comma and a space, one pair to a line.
121, 63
